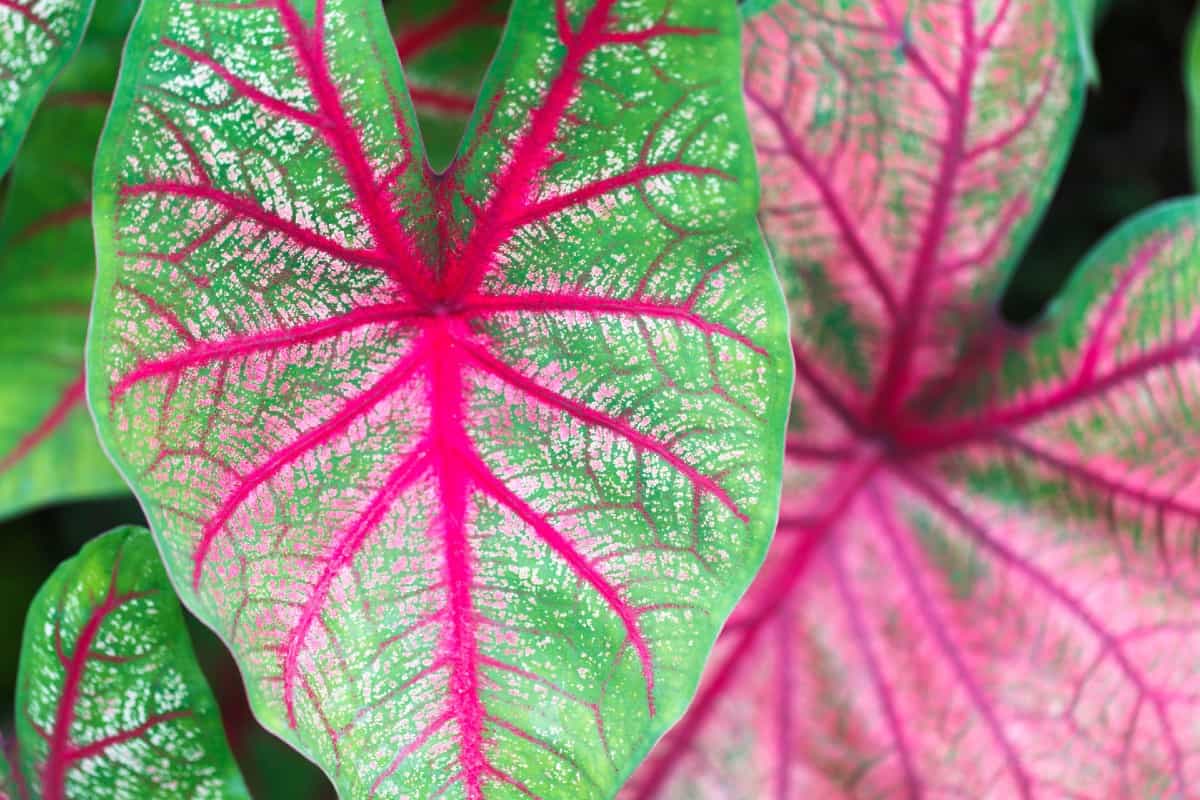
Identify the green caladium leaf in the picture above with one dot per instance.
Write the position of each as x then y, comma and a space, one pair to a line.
37, 38
467, 469
48, 447
445, 46
110, 700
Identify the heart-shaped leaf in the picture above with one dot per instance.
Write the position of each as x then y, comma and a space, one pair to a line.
468, 470
48, 448
37, 39
445, 47
110, 700
984, 582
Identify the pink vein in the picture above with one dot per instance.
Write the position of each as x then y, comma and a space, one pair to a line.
1110, 643
893, 383
27, 14
316, 437
883, 690
250, 210
1114, 486
493, 487
245, 88
540, 211
550, 303
463, 14
833, 203
310, 333
344, 139
641, 441
345, 547
937, 628
843, 489
71, 397
531, 153
1076, 391
62, 753
439, 100
448, 442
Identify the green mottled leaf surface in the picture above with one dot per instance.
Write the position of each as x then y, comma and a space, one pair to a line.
467, 469
37, 38
110, 700
48, 447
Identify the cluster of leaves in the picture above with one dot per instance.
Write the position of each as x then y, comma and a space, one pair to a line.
468, 452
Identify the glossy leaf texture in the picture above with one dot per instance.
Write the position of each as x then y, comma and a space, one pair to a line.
37, 39
984, 581
48, 447
467, 469
445, 47
110, 699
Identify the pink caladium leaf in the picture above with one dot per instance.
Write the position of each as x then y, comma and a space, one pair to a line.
445, 47
467, 469
37, 39
110, 700
48, 447
984, 581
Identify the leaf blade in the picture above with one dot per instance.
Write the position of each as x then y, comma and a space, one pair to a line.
166, 735
528, 494
48, 447
40, 42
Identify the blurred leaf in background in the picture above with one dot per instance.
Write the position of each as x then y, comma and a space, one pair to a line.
48, 447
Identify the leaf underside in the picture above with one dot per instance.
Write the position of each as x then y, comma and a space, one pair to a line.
110, 699
48, 447
37, 38
467, 469
984, 580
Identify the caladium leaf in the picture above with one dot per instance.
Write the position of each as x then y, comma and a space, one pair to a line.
984, 582
468, 469
37, 38
445, 46
48, 447
110, 700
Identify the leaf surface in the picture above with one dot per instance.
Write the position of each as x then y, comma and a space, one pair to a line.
983, 584
445, 47
468, 469
48, 447
110, 700
37, 39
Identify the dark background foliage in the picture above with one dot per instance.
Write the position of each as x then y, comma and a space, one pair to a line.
1132, 152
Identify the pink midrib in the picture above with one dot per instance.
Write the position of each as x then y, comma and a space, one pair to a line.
344, 140
530, 157
448, 440
71, 398
893, 384
61, 752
